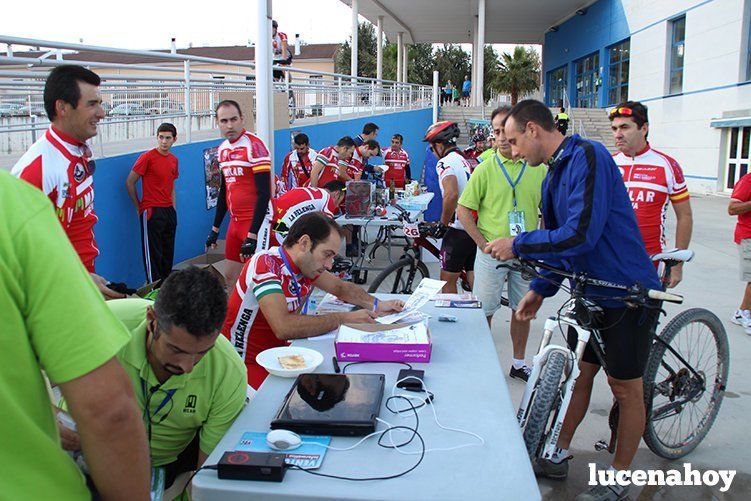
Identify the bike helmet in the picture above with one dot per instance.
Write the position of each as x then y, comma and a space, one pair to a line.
274, 24
478, 137
442, 132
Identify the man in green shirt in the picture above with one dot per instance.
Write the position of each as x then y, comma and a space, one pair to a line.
189, 381
505, 193
54, 319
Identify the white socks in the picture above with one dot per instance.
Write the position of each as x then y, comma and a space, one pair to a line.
559, 456
518, 363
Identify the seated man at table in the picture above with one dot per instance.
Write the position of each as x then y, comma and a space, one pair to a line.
268, 306
284, 210
188, 381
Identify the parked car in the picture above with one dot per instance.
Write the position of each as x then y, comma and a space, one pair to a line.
163, 106
128, 109
107, 107
9, 109
24, 110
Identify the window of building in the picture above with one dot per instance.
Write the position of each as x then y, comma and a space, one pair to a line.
677, 51
737, 162
557, 86
587, 81
619, 57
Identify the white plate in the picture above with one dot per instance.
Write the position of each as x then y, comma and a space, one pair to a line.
269, 360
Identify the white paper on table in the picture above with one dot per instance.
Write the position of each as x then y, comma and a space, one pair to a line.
332, 304
323, 337
427, 288
460, 296
409, 334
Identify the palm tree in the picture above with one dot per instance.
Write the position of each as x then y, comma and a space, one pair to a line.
518, 74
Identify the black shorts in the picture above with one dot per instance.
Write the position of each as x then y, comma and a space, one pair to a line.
457, 251
627, 334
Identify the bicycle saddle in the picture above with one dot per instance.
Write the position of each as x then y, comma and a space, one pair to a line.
682, 255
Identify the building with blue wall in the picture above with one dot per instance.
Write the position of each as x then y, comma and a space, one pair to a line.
118, 232
689, 61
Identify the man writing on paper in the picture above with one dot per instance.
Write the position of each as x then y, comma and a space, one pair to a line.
269, 304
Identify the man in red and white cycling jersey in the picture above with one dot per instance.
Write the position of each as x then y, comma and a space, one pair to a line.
458, 250
332, 162
652, 179
245, 166
280, 47
298, 164
268, 305
479, 143
360, 157
397, 160
59, 163
287, 208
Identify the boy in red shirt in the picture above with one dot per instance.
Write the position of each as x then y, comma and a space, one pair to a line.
157, 169
740, 205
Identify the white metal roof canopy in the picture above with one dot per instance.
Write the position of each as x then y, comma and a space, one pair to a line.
450, 21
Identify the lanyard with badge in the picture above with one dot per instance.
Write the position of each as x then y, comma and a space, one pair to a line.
515, 217
147, 405
295, 285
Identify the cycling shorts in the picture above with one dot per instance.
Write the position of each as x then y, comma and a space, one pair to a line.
458, 251
236, 234
627, 334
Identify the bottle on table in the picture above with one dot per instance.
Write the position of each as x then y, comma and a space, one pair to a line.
392, 191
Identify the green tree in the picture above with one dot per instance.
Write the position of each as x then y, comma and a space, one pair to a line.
452, 63
518, 74
367, 44
421, 65
491, 66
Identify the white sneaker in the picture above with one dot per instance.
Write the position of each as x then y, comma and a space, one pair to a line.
747, 330
742, 318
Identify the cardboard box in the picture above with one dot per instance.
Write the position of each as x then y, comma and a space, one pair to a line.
382, 352
213, 260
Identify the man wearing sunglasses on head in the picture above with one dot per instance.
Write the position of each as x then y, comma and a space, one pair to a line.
652, 179
188, 380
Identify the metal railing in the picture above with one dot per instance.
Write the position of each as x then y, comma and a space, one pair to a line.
181, 88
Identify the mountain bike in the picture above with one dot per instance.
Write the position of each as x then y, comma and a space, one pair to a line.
684, 380
403, 276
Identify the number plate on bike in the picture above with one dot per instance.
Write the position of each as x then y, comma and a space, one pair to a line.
411, 230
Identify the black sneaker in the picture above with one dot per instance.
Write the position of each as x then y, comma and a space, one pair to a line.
548, 469
521, 373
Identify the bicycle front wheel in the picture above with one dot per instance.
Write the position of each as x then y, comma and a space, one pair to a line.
684, 382
547, 396
401, 277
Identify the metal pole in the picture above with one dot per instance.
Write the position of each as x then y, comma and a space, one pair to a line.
480, 97
264, 85
372, 98
339, 100
186, 103
405, 64
399, 50
435, 96
379, 50
355, 25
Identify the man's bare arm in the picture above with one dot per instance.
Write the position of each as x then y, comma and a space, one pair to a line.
736, 207
450, 199
130, 184
113, 437
468, 222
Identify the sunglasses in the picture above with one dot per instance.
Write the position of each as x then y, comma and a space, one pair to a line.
621, 111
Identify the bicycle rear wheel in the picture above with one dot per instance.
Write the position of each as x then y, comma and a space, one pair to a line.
546, 397
401, 277
682, 403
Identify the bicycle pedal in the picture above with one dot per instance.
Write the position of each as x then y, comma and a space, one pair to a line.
601, 445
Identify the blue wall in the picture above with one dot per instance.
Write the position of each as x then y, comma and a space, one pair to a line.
603, 25
118, 231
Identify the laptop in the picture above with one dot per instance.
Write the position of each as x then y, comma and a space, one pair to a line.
332, 404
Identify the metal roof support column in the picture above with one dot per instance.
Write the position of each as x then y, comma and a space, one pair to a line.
353, 59
436, 90
479, 95
405, 64
399, 50
264, 86
379, 50
473, 60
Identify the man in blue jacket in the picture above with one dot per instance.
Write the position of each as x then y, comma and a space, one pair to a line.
590, 227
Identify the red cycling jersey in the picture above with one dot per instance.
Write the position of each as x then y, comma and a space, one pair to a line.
652, 179
59, 166
296, 169
329, 157
240, 160
398, 163
245, 325
285, 210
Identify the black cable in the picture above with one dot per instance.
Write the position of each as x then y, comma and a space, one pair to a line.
415, 433
204, 467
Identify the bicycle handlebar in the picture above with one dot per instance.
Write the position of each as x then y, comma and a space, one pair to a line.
635, 293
